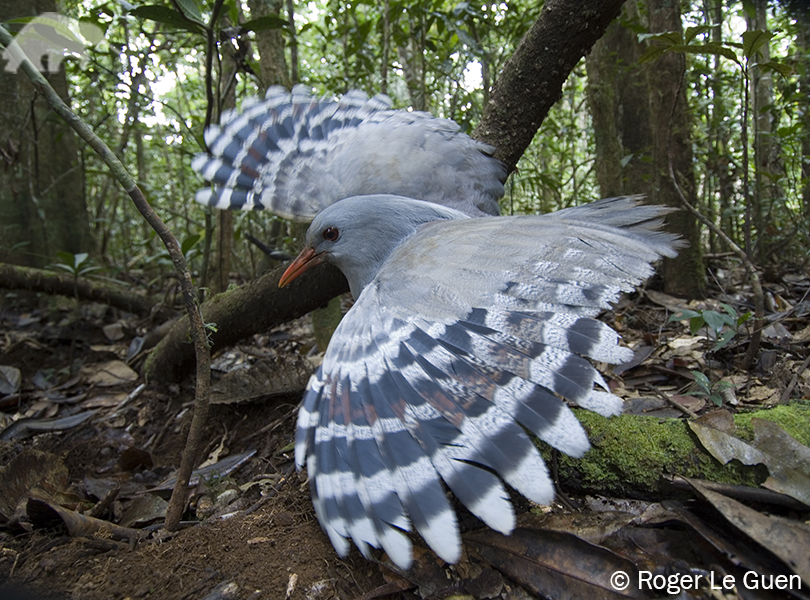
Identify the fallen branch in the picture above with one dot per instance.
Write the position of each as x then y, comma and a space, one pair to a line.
13, 277
239, 313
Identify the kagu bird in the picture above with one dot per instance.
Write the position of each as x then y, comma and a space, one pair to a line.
464, 330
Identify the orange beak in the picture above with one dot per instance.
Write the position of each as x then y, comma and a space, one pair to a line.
303, 262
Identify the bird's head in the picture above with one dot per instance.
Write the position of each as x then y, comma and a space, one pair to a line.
358, 234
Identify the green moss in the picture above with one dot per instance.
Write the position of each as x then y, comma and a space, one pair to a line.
630, 454
793, 418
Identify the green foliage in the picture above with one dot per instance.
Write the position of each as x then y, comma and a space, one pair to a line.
144, 93
713, 391
77, 265
723, 326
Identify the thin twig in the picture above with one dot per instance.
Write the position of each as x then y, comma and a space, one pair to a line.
203, 355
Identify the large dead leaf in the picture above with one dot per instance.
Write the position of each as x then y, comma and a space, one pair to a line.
555, 564
31, 473
10, 380
114, 372
269, 376
27, 427
789, 540
787, 460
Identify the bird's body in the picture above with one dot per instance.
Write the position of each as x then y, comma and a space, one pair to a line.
464, 332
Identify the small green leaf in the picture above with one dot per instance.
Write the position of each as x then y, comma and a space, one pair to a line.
191, 11
754, 40
164, 15
703, 383
66, 257
729, 309
695, 323
692, 32
683, 315
783, 69
724, 339
189, 242
666, 38
265, 23
715, 320
79, 259
710, 49
62, 266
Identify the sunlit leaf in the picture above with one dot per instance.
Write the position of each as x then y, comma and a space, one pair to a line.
754, 40
164, 15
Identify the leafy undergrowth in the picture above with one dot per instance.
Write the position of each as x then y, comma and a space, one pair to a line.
87, 454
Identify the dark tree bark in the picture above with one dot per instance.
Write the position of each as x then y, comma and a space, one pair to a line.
42, 204
767, 154
672, 154
531, 81
620, 109
271, 45
236, 314
803, 60
642, 126
720, 166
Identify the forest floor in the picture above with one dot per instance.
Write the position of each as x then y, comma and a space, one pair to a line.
87, 456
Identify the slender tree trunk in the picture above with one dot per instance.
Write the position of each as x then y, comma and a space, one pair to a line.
619, 102
803, 62
683, 275
293, 42
386, 46
42, 203
767, 163
720, 167
270, 43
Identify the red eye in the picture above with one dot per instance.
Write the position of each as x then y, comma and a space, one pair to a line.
331, 234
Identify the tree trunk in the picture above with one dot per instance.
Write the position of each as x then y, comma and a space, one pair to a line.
803, 60
271, 45
720, 166
42, 204
672, 154
619, 101
767, 161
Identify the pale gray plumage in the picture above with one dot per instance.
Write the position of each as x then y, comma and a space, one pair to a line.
464, 331
295, 154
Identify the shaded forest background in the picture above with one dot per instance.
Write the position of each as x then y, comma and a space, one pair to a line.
708, 100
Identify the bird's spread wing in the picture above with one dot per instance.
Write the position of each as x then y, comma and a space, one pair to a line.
432, 381
296, 154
